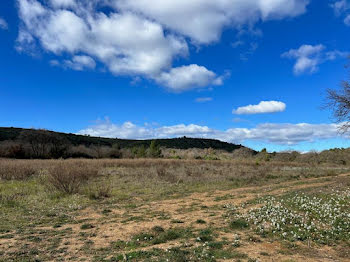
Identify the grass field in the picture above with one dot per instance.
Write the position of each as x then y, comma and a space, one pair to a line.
173, 210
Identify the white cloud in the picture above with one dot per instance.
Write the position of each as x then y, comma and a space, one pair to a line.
63, 3
80, 63
281, 134
188, 77
309, 57
125, 42
3, 24
347, 20
203, 99
262, 108
204, 20
141, 38
340, 6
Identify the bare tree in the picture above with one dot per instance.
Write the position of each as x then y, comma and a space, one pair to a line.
339, 102
44, 144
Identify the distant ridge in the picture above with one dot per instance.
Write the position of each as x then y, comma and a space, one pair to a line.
12, 133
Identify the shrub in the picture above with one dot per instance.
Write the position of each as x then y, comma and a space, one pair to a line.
99, 190
115, 152
81, 151
68, 178
158, 229
17, 170
86, 226
239, 224
139, 152
154, 150
205, 235
12, 149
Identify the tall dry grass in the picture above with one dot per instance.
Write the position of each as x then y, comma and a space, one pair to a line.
69, 176
16, 169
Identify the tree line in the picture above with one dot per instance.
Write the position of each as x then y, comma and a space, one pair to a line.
43, 144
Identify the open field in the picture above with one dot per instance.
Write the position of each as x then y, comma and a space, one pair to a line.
173, 210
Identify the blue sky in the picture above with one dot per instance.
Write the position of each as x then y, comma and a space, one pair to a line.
249, 72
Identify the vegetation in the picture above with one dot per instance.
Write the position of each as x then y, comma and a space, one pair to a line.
16, 142
175, 210
42, 144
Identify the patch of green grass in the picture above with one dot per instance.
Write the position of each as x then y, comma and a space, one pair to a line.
239, 224
225, 197
158, 236
205, 235
86, 226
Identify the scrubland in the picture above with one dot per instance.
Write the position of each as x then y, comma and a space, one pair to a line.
174, 210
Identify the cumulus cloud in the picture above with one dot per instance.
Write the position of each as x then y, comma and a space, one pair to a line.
204, 20
309, 57
281, 134
188, 77
3, 24
125, 42
342, 8
139, 38
203, 99
262, 108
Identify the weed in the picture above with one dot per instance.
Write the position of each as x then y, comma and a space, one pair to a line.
200, 221
239, 224
86, 226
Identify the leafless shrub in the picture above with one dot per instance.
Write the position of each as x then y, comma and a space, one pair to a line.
68, 177
81, 151
15, 170
11, 149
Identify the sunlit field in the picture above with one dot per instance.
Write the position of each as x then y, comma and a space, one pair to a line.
173, 210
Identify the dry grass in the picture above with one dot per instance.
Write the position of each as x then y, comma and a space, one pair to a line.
171, 171
16, 170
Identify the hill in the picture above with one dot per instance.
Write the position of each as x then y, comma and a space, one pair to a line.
11, 133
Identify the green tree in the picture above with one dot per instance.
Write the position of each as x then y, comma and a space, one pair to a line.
154, 150
139, 152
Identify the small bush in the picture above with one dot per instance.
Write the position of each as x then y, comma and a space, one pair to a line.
205, 235
166, 236
99, 190
158, 229
86, 226
68, 178
239, 224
